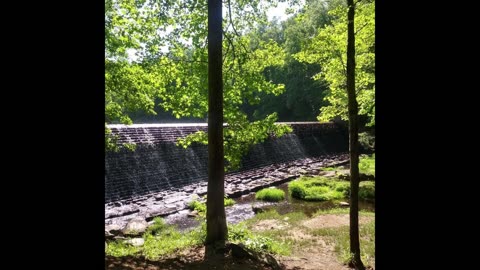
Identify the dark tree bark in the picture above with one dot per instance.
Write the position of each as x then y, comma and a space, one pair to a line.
355, 261
216, 221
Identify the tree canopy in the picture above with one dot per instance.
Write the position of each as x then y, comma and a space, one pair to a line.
170, 45
328, 48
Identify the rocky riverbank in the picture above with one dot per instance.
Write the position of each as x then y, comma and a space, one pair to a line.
173, 200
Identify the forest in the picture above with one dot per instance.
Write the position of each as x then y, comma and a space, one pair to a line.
216, 62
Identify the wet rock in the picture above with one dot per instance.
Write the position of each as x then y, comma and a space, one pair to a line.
257, 209
113, 229
193, 213
108, 235
171, 201
136, 242
194, 197
327, 173
184, 212
175, 199
160, 212
136, 226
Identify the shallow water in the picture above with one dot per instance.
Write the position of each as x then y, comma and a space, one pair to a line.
243, 209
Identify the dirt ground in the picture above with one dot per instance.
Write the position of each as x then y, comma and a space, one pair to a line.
319, 257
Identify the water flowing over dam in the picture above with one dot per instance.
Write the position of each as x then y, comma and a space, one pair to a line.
158, 164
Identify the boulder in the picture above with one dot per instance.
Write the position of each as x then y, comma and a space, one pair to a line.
344, 204
135, 226
136, 242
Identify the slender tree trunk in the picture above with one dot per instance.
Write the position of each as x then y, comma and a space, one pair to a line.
355, 261
216, 221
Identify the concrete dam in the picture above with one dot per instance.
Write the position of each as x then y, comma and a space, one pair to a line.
158, 164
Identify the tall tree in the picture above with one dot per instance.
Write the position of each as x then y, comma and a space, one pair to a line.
217, 232
173, 63
169, 39
328, 48
352, 86
355, 260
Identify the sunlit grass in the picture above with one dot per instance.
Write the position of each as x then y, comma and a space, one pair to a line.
367, 164
270, 194
340, 237
160, 239
323, 189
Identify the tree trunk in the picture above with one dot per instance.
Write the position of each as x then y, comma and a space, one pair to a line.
355, 261
216, 221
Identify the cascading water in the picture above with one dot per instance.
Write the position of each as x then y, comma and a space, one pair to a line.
158, 164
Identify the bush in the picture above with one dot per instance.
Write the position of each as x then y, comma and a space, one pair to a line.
202, 206
270, 194
367, 190
228, 202
367, 164
157, 226
367, 142
318, 189
198, 206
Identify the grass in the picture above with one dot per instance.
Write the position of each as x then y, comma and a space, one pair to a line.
228, 202
340, 236
270, 194
201, 207
318, 189
290, 218
258, 241
157, 227
367, 164
342, 210
286, 242
160, 239
323, 189
366, 190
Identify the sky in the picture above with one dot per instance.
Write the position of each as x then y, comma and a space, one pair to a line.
278, 11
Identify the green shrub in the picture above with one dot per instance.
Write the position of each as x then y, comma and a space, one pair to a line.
366, 190
228, 202
297, 189
366, 141
343, 187
270, 194
367, 164
198, 206
157, 226
318, 189
201, 207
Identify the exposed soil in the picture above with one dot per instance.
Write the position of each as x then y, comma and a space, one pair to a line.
332, 220
191, 259
319, 256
